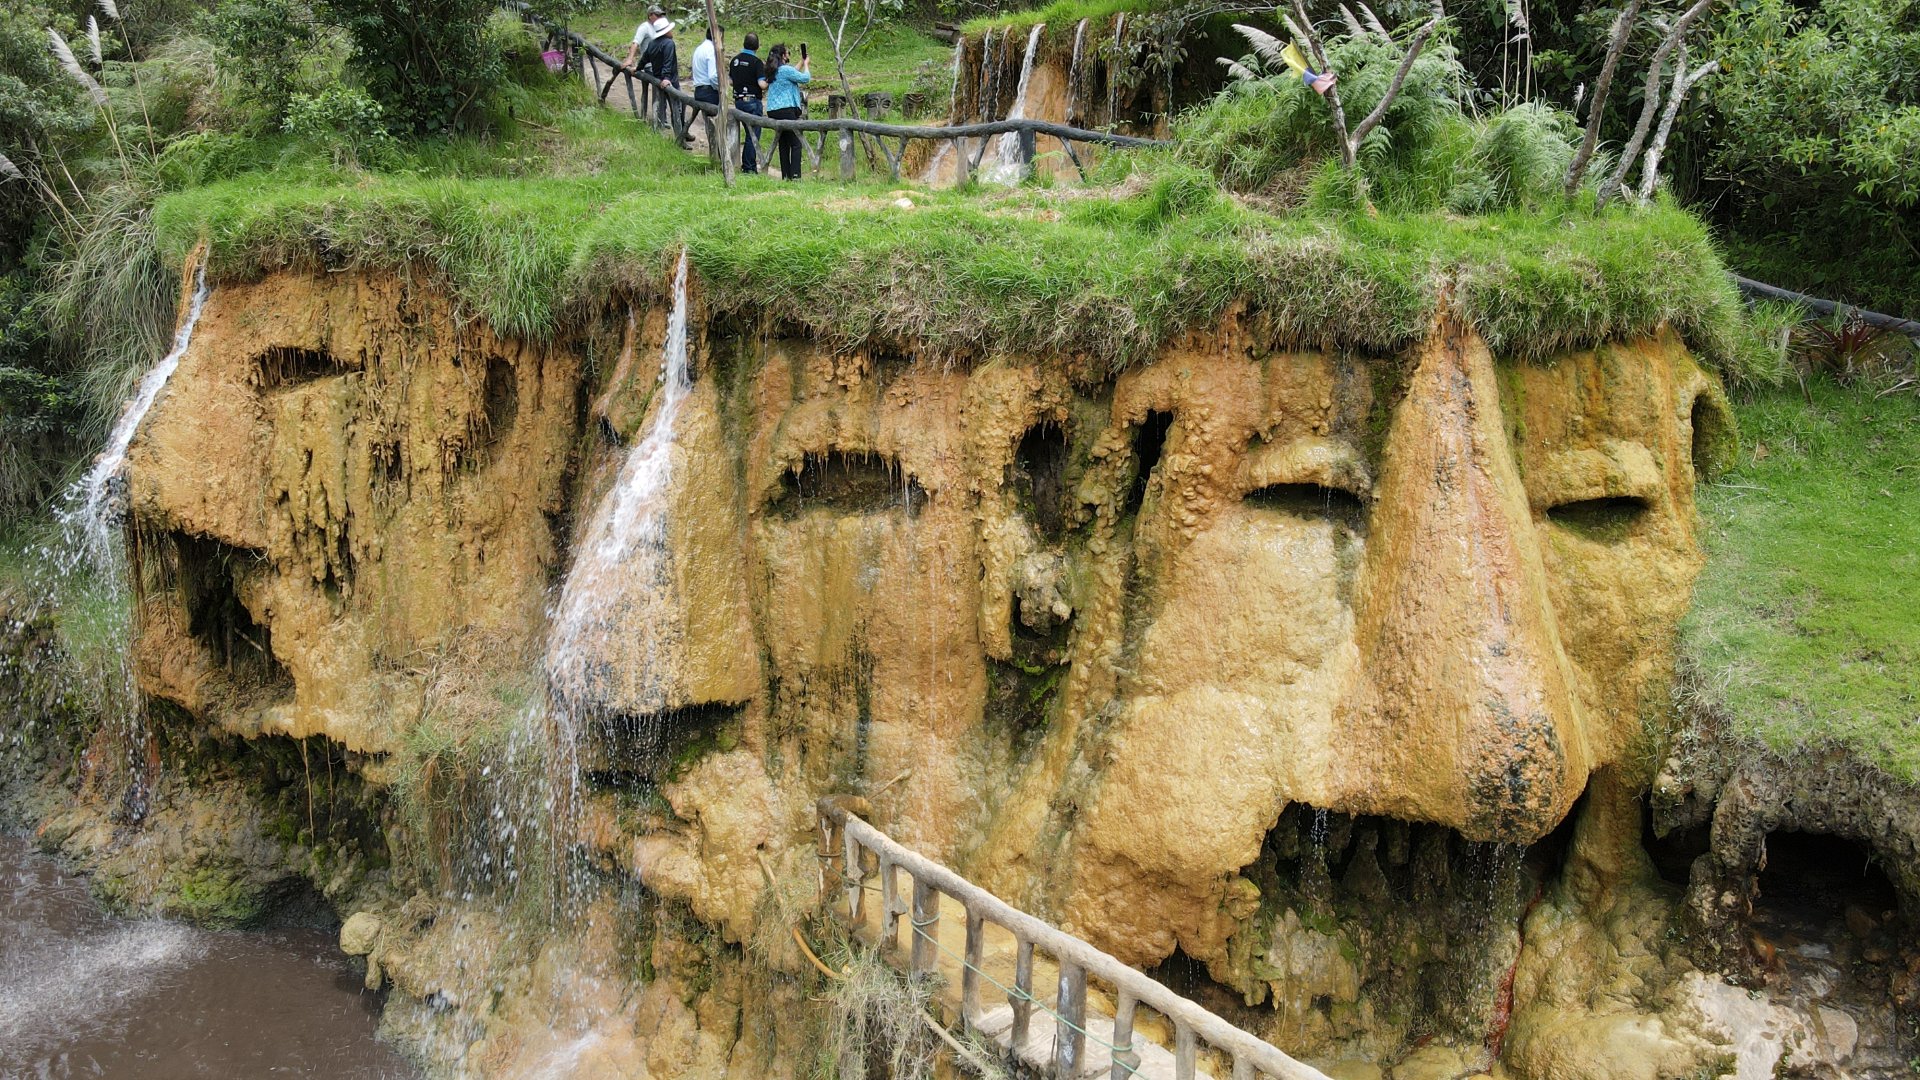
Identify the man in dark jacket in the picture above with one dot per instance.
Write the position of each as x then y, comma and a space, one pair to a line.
659, 57
747, 75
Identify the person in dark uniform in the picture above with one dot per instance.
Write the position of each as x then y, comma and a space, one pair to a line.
747, 74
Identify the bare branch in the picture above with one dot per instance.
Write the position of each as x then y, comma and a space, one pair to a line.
1302, 26
1616, 45
1656, 68
1379, 112
1683, 83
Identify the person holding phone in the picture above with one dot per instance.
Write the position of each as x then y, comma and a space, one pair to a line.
784, 102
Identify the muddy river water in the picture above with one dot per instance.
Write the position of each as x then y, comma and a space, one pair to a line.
86, 994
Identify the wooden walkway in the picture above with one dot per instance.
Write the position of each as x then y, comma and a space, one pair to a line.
1091, 1016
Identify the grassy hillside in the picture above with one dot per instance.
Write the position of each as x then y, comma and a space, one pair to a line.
571, 202
1806, 623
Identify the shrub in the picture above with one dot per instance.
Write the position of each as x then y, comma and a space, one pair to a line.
345, 122
266, 46
428, 64
1816, 131
1517, 159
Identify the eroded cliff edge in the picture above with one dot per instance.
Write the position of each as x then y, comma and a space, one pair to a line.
1329, 684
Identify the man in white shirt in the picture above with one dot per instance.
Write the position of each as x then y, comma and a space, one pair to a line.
706, 73
654, 47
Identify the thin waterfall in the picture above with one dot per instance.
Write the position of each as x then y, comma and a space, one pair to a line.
940, 156
93, 513
626, 541
1113, 71
953, 90
1010, 169
629, 524
1073, 72
85, 572
985, 92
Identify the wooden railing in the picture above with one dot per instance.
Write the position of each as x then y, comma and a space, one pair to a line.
641, 89
846, 840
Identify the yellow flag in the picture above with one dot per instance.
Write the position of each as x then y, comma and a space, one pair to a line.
1294, 58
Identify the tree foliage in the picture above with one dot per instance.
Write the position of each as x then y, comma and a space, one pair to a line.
1815, 127
429, 63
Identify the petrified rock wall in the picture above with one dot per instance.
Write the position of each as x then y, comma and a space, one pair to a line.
1084, 636
345, 478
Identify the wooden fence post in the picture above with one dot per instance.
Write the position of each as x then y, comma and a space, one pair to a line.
1070, 1039
926, 928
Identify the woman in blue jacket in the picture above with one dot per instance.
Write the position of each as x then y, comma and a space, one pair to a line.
785, 103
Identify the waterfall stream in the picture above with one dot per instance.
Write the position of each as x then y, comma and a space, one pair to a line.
630, 522
932, 175
1073, 72
1010, 169
92, 511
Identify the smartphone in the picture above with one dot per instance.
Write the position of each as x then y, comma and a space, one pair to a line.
803, 50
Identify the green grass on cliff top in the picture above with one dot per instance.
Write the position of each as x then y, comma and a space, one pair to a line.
539, 228
1805, 626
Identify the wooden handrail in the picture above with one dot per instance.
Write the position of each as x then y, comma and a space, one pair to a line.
1076, 959
1063, 132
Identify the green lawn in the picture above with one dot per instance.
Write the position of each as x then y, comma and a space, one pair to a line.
1806, 623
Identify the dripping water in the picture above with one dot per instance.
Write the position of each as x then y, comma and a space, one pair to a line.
1113, 71
953, 110
85, 574
1010, 169
1073, 72
97, 517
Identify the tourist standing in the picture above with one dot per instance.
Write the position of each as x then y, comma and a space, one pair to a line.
748, 77
659, 57
785, 103
705, 70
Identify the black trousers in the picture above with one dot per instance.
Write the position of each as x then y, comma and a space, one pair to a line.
789, 144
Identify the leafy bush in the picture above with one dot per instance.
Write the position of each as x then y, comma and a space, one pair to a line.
429, 64
1263, 132
265, 46
345, 122
1517, 159
1816, 128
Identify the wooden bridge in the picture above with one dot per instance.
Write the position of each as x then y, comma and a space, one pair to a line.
1101, 1018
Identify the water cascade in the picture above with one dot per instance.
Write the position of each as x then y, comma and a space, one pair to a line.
625, 542
1010, 169
84, 572
91, 511
1113, 80
1073, 72
987, 81
953, 109
628, 528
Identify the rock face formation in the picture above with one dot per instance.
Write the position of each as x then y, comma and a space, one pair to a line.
1088, 74
1215, 661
